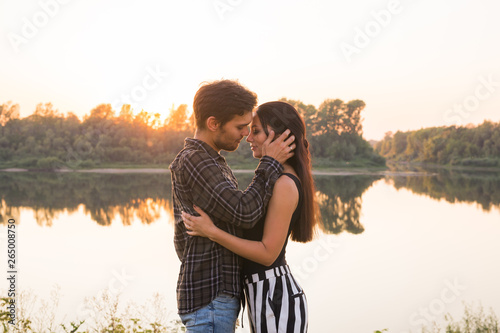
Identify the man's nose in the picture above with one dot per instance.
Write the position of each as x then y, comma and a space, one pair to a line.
246, 132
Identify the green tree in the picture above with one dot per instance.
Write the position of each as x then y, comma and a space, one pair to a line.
351, 120
469, 145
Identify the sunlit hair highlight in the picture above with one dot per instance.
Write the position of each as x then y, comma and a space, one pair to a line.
223, 100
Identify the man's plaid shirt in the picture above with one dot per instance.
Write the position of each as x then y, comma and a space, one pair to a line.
202, 177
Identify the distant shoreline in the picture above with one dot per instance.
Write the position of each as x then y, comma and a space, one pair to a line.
393, 169
332, 172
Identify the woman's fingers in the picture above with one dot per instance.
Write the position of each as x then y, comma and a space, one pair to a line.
186, 219
189, 229
192, 233
194, 224
199, 210
194, 218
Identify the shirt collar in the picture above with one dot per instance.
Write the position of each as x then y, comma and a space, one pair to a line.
202, 145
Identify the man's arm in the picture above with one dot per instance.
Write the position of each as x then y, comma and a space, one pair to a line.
217, 196
221, 199
278, 217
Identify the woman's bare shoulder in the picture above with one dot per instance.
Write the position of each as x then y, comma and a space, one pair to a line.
286, 186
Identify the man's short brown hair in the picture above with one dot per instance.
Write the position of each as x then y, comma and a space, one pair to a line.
223, 100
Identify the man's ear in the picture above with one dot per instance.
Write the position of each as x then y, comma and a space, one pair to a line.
212, 124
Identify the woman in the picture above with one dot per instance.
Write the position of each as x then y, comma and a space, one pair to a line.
276, 302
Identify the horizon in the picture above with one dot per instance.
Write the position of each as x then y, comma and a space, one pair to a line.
135, 112
415, 64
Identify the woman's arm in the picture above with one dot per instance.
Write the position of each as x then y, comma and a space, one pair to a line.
279, 214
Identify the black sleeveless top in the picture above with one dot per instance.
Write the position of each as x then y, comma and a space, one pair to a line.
256, 233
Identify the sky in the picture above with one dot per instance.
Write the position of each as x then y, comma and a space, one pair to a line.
415, 63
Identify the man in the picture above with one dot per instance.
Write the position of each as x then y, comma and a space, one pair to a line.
209, 287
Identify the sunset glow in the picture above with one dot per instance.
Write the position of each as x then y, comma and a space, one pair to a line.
415, 63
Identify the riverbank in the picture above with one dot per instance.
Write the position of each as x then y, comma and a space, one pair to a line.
393, 169
323, 172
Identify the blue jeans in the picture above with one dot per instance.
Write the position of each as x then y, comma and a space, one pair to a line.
217, 317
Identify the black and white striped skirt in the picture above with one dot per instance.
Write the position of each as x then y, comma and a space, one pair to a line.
276, 302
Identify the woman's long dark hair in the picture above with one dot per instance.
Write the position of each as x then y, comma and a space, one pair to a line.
281, 116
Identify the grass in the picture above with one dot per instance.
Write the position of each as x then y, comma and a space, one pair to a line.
51, 163
84, 166
104, 313
474, 320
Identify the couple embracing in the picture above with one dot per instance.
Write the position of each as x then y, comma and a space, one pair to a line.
232, 242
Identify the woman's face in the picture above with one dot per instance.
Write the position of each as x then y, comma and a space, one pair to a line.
257, 137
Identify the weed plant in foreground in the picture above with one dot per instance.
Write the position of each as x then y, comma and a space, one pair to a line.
103, 313
106, 313
473, 321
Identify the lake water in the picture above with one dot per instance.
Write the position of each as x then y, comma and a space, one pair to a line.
395, 251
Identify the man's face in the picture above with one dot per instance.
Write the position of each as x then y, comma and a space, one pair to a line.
228, 136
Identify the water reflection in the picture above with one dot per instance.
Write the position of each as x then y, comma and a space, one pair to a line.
105, 197
455, 187
339, 199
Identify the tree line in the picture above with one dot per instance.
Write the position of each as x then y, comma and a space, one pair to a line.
48, 139
453, 145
